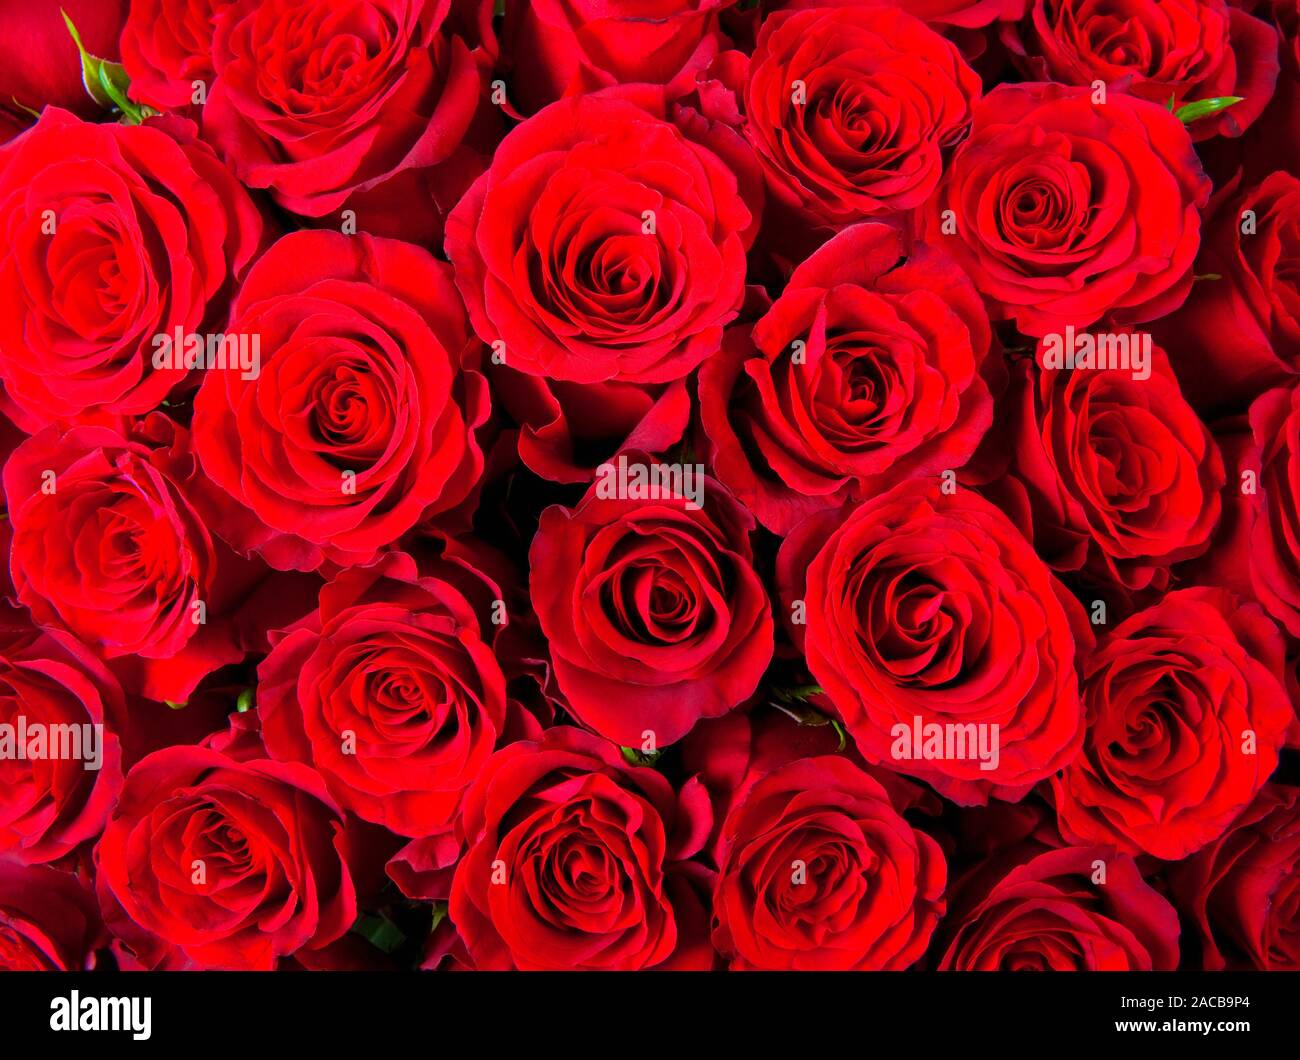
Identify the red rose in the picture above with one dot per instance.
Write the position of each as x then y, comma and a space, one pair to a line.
390, 691
866, 370
850, 109
167, 46
817, 871
210, 861
1184, 50
965, 14
567, 430
315, 102
1274, 554
1117, 474
732, 753
1186, 713
39, 65
108, 544
556, 48
1055, 912
48, 921
1243, 890
653, 613
146, 238
575, 860
1240, 335
53, 690
361, 421
602, 244
1063, 211
927, 613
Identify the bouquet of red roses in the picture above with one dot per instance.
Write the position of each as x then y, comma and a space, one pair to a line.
650, 484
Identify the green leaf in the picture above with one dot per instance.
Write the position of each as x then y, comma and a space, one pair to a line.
633, 757
799, 693
106, 81
1207, 276
1190, 112
440, 911
244, 701
380, 932
174, 705
839, 731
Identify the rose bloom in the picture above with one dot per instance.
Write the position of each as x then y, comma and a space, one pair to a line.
48, 921
361, 420
400, 663
1118, 476
817, 871
556, 48
50, 805
921, 604
865, 370
1052, 913
1240, 335
316, 102
1243, 890
850, 109
576, 860
113, 234
567, 430
108, 544
167, 46
218, 860
652, 611
963, 14
1186, 714
602, 244
1184, 50
1274, 555
1063, 211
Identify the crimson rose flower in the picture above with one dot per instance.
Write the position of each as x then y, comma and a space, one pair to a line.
316, 102
928, 608
361, 421
109, 545
1275, 526
817, 871
1063, 211
113, 234
1243, 890
216, 861
1240, 335
567, 430
964, 14
575, 861
1055, 913
602, 244
653, 612
1118, 475
51, 804
850, 109
556, 48
48, 921
1186, 714
866, 370
1184, 50
167, 46
390, 691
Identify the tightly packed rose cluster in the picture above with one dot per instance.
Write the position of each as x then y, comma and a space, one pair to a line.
650, 484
